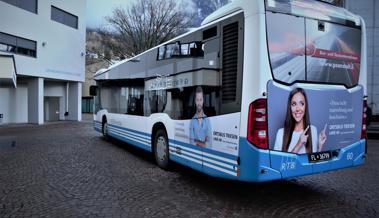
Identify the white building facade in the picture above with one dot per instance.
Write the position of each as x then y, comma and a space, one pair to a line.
45, 41
369, 10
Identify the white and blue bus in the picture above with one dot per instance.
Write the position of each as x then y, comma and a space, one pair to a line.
262, 90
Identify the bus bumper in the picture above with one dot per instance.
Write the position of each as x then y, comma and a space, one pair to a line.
259, 165
97, 126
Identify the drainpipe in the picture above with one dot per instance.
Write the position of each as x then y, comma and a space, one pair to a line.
67, 89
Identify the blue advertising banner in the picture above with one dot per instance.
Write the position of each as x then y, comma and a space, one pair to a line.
310, 118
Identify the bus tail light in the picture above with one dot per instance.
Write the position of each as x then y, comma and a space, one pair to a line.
364, 120
257, 124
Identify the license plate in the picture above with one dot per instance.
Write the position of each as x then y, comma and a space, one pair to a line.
320, 156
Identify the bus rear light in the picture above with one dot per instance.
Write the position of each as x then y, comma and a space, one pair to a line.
257, 124
364, 120
260, 119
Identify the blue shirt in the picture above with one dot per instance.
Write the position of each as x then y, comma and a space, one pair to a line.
201, 132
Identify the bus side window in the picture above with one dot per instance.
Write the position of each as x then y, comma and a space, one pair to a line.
156, 101
151, 106
196, 49
161, 52
171, 50
193, 49
135, 105
97, 100
161, 100
184, 49
135, 101
124, 100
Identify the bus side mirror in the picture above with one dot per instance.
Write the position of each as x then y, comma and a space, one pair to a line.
93, 90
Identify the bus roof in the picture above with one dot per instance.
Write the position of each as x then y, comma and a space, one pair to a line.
297, 7
228, 10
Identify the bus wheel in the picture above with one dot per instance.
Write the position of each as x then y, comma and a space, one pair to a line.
105, 130
161, 151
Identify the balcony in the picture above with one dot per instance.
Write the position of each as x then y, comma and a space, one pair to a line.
8, 74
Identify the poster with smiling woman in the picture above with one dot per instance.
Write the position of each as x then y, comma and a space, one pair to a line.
298, 135
305, 119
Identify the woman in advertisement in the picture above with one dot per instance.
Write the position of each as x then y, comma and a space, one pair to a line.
200, 127
298, 135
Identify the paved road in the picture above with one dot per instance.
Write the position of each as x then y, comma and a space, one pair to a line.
67, 170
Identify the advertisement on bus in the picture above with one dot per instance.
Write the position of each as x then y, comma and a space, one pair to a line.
205, 130
306, 119
319, 63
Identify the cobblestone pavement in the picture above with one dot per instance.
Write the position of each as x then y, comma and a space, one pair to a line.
68, 170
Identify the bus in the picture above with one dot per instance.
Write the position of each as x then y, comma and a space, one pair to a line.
261, 91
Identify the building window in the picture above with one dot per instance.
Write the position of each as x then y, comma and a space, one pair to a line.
29, 5
18, 45
64, 17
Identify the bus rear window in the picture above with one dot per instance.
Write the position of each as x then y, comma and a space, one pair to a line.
286, 44
303, 49
333, 53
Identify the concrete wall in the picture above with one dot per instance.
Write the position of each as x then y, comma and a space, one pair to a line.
75, 101
35, 100
369, 10
14, 104
31, 101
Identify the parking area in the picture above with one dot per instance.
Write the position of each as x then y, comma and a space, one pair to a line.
66, 169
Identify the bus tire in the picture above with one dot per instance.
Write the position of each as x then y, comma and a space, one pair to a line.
161, 149
105, 130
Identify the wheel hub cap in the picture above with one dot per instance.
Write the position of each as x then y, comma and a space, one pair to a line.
161, 148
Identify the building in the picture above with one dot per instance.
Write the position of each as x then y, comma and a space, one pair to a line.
93, 64
369, 10
42, 60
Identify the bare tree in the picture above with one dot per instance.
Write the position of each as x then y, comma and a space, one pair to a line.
215, 4
143, 25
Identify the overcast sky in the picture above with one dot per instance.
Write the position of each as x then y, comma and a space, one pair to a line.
98, 9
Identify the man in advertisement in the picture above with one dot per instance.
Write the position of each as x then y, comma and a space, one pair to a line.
200, 126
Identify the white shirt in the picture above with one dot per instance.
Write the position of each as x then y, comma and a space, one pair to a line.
295, 139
